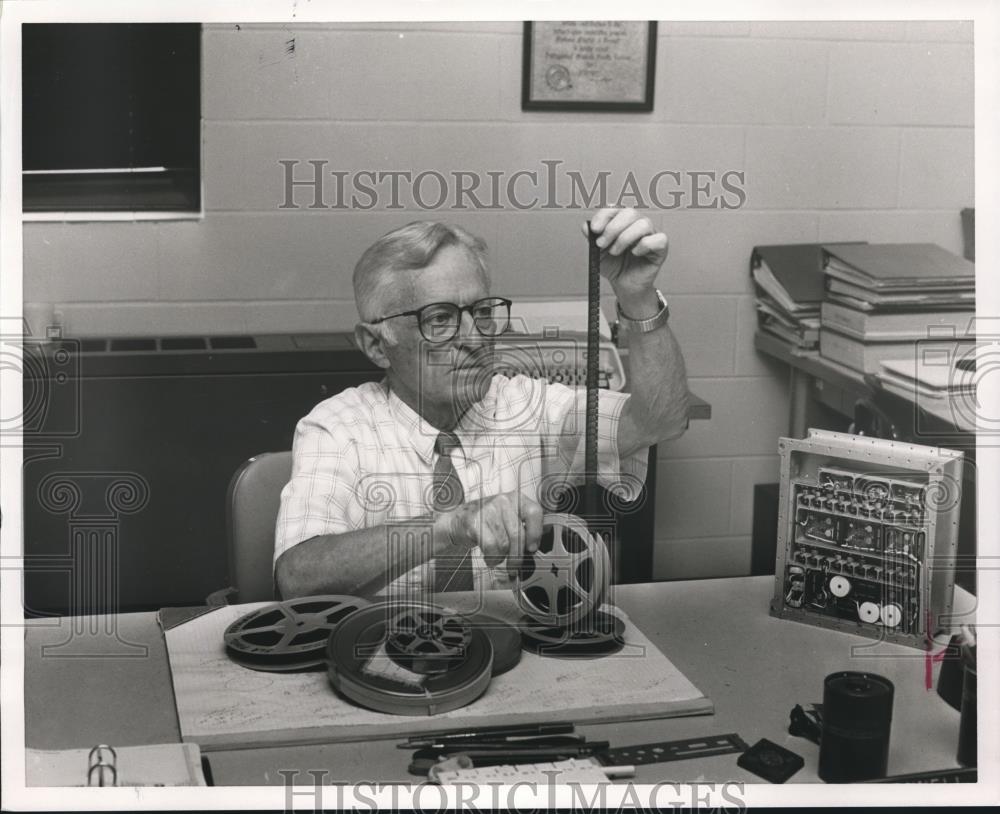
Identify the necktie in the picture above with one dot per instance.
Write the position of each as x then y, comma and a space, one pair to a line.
451, 572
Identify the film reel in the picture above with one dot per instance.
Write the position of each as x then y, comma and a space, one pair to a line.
505, 638
598, 635
427, 640
567, 577
288, 636
360, 669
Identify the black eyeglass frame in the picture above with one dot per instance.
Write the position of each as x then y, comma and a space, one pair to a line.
460, 309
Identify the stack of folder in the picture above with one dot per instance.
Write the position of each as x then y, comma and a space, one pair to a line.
930, 377
894, 301
790, 285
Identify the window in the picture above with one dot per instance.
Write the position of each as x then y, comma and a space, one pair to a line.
111, 117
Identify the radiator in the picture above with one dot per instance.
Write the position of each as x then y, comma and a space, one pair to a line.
130, 444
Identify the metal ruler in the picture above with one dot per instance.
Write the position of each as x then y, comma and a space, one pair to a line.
668, 751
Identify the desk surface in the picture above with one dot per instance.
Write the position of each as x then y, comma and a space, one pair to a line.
718, 632
939, 415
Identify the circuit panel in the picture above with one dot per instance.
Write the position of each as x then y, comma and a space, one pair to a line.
858, 547
865, 538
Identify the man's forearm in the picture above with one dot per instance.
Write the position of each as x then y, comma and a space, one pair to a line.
657, 377
360, 562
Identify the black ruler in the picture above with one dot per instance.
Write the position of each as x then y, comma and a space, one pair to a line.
668, 751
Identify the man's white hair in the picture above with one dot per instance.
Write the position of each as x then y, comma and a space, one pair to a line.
408, 248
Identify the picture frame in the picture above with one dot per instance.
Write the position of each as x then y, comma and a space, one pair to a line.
589, 65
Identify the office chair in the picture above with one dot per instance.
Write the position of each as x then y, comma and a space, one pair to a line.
252, 502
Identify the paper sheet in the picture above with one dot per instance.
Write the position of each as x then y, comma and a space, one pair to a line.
162, 764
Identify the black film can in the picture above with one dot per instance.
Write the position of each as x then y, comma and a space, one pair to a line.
967, 726
857, 717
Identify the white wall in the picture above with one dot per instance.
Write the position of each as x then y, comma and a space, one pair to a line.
845, 131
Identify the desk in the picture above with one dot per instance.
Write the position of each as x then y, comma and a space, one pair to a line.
928, 421
753, 666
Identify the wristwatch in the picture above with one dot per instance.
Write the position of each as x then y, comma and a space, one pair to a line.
646, 325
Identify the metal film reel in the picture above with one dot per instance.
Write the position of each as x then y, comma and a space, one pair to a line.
505, 638
567, 577
598, 635
427, 640
358, 670
288, 636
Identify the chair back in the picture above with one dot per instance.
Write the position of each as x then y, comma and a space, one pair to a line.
252, 503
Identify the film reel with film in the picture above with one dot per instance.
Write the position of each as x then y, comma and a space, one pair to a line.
505, 638
430, 640
288, 636
372, 652
426, 639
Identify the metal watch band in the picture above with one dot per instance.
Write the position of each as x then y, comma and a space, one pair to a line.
646, 325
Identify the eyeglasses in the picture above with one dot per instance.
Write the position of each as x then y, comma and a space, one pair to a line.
440, 321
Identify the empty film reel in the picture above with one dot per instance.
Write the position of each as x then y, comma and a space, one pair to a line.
361, 670
288, 636
567, 577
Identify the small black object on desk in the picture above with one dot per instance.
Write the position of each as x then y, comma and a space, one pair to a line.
807, 725
769, 760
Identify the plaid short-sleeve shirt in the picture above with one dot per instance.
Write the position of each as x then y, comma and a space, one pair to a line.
364, 458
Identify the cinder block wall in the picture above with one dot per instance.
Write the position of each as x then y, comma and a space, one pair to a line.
844, 131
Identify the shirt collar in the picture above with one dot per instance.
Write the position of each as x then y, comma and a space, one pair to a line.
421, 433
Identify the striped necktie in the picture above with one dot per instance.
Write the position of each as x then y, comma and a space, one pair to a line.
451, 572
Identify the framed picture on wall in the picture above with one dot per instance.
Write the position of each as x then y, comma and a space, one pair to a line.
606, 65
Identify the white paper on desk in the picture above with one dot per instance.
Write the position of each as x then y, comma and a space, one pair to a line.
160, 764
221, 705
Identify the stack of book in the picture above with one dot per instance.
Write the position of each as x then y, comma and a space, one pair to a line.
892, 301
790, 285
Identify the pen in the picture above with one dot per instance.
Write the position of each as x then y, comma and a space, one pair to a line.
489, 733
520, 741
518, 747
550, 753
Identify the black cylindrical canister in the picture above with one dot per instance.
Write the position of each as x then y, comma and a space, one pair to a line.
967, 753
857, 716
949, 685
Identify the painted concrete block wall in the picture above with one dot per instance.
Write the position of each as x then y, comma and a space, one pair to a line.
844, 131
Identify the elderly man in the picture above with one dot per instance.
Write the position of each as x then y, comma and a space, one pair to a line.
430, 480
